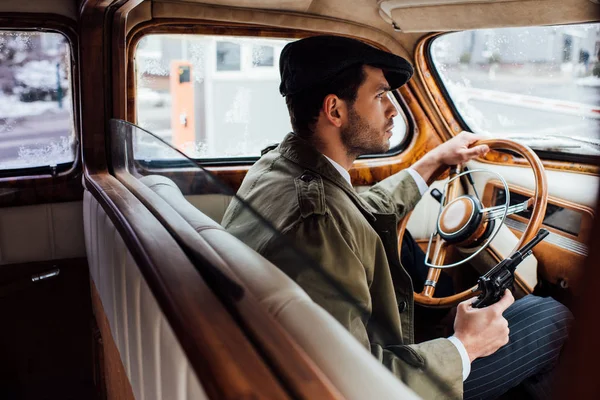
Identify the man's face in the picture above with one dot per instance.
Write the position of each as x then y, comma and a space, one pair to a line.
370, 120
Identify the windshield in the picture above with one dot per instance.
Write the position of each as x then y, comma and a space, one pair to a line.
536, 85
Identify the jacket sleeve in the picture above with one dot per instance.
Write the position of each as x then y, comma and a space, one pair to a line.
335, 278
397, 194
433, 368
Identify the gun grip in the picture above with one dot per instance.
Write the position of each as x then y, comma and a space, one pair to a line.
478, 303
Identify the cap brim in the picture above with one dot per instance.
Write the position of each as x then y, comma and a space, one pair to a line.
396, 69
397, 78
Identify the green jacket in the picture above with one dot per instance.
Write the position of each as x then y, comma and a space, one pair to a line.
353, 238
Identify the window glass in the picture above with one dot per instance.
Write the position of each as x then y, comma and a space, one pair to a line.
36, 112
215, 96
537, 85
263, 56
228, 56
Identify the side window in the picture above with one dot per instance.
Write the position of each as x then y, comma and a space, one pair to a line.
36, 111
537, 85
215, 97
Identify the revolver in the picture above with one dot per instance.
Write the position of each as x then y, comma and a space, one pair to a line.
493, 284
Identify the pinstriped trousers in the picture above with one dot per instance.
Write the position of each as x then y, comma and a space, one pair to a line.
538, 328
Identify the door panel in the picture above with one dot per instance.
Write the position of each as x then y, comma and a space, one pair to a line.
41, 232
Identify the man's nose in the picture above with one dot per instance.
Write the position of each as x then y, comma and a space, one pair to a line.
392, 109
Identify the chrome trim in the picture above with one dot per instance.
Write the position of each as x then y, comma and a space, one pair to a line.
553, 238
496, 212
45, 275
431, 283
489, 240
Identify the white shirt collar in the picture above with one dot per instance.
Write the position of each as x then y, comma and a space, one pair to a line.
421, 184
340, 169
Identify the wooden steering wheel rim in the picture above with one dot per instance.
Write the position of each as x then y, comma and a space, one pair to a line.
539, 210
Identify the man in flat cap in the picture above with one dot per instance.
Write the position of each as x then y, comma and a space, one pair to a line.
337, 92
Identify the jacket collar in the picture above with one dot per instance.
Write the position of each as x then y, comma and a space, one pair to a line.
301, 152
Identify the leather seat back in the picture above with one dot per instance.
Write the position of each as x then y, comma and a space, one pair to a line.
152, 357
347, 364
212, 205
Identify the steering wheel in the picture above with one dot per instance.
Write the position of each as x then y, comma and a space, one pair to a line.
463, 221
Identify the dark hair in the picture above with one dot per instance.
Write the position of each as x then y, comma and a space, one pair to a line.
304, 106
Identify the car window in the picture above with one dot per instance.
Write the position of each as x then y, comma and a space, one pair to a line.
36, 111
216, 97
538, 85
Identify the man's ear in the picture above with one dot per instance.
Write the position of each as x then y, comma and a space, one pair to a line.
334, 110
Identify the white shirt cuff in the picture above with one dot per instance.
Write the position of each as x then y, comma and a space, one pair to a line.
421, 184
466, 361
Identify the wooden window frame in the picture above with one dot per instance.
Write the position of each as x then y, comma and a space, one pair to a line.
202, 27
424, 134
36, 188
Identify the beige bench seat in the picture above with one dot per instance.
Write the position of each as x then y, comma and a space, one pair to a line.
348, 365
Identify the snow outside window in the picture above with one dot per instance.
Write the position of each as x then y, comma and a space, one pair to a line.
215, 96
536, 85
36, 112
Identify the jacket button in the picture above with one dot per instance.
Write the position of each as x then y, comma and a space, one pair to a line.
402, 306
307, 177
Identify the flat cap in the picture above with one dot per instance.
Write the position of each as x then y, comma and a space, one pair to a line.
308, 62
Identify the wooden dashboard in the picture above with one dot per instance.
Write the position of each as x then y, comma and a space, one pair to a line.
562, 254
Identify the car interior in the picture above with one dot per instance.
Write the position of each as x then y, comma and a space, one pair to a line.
127, 127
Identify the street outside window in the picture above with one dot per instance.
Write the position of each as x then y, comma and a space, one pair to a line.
216, 97
36, 112
537, 85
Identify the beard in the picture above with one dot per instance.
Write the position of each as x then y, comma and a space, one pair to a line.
359, 137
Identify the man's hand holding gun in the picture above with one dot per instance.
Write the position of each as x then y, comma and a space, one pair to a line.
479, 323
494, 283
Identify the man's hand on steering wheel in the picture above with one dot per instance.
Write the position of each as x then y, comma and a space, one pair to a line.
454, 151
463, 221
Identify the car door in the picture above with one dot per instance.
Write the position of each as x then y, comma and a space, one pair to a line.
44, 288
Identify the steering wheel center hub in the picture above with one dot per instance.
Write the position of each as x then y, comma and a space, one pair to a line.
456, 216
460, 219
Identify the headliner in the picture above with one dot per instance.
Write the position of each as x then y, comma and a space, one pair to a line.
408, 15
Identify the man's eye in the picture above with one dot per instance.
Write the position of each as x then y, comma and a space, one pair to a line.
380, 95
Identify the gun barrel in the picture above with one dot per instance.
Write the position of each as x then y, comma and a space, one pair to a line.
533, 242
515, 259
